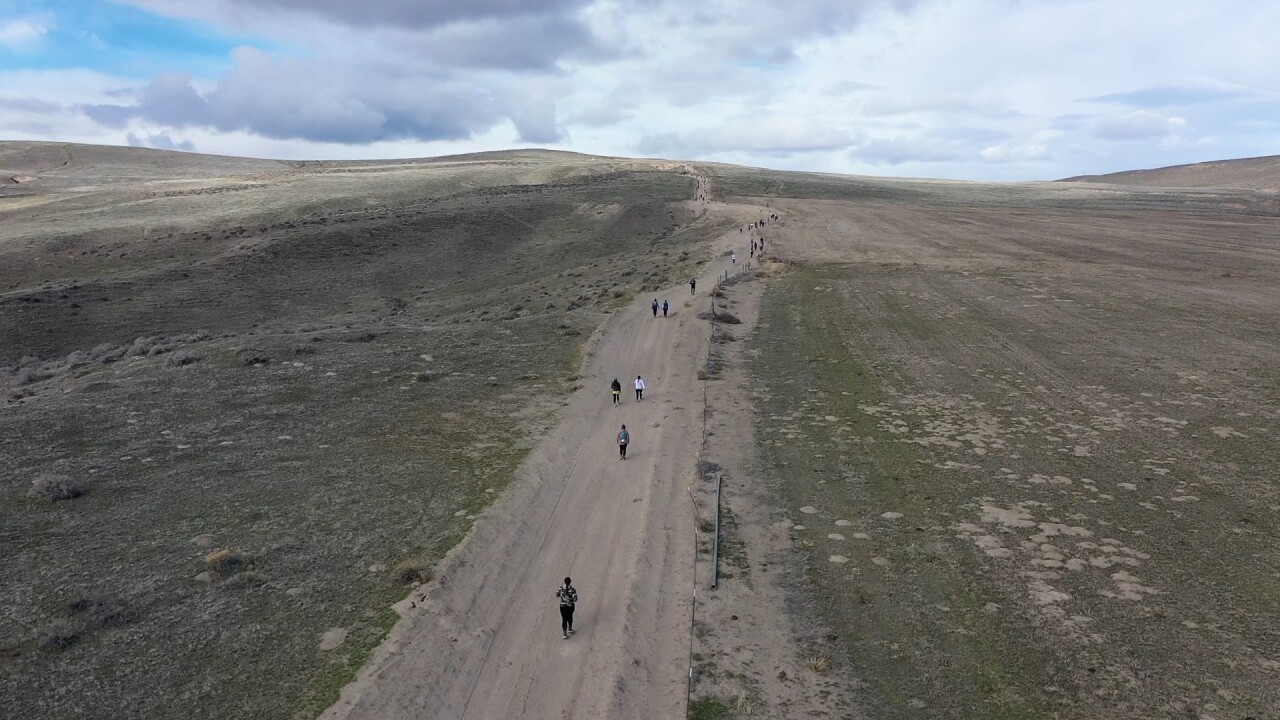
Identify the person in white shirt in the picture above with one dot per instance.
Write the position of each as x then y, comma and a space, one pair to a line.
639, 388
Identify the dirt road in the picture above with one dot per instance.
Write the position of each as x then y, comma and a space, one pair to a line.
484, 641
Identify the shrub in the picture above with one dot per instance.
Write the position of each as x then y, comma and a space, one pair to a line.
53, 487
244, 581
227, 560
59, 634
182, 358
253, 356
141, 346
77, 358
103, 610
31, 376
107, 353
409, 571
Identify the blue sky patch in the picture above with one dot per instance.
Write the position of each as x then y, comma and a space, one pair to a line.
114, 38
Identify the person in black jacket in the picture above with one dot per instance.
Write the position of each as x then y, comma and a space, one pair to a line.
617, 391
568, 599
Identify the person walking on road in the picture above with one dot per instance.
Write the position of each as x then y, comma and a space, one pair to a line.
617, 391
639, 388
624, 439
665, 305
568, 599
655, 307
733, 258
693, 285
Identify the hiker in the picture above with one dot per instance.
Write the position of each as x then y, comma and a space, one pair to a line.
655, 307
733, 258
639, 388
568, 598
693, 285
617, 391
624, 439
665, 305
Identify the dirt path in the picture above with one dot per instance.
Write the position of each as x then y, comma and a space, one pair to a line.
483, 640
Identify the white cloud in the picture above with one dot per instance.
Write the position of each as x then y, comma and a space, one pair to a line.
23, 33
1138, 125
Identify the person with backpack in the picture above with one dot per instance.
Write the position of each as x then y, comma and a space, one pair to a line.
664, 308
655, 307
624, 439
617, 391
639, 388
568, 597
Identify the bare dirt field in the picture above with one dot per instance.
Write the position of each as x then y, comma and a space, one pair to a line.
1025, 441
287, 440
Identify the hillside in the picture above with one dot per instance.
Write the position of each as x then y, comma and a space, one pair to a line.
295, 440
1260, 173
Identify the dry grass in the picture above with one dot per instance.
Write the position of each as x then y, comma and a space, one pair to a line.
819, 664
748, 704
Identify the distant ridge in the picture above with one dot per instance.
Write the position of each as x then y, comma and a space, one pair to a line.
23, 162
1260, 173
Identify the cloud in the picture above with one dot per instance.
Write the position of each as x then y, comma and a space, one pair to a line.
160, 141
902, 149
292, 98
1137, 125
23, 33
773, 134
371, 13
1171, 95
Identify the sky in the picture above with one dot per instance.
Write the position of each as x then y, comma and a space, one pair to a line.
961, 89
